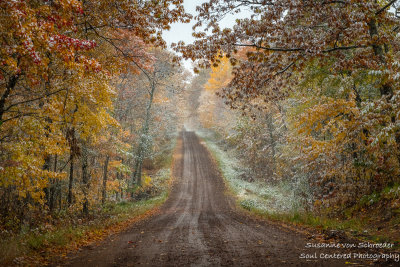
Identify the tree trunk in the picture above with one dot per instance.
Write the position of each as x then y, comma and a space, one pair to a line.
59, 195
137, 175
85, 179
46, 167
73, 151
53, 187
104, 193
71, 178
9, 87
271, 129
378, 49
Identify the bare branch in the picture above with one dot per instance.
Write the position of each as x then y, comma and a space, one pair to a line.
385, 7
278, 49
122, 52
34, 99
284, 49
344, 48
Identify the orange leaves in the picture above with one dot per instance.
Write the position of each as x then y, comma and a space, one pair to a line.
115, 163
135, 52
220, 75
326, 126
159, 99
327, 116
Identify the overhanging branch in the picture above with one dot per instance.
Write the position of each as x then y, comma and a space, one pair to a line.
385, 7
295, 49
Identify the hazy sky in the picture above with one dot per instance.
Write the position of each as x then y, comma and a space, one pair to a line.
183, 31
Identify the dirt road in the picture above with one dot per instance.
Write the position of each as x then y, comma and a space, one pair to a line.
199, 226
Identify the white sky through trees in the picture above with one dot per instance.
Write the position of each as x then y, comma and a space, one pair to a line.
183, 31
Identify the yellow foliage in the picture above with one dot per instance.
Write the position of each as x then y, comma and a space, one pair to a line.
114, 163
220, 75
113, 186
146, 182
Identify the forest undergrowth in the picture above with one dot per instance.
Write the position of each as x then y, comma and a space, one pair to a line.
65, 231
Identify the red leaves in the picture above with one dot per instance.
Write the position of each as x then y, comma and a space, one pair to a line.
60, 41
28, 44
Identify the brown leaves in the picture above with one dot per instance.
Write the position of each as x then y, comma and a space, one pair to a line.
286, 37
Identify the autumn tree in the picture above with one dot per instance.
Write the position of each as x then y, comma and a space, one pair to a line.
161, 76
58, 60
213, 111
330, 68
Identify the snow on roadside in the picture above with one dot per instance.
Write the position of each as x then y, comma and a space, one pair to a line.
251, 195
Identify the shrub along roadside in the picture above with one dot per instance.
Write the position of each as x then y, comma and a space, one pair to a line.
279, 202
67, 231
37, 246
